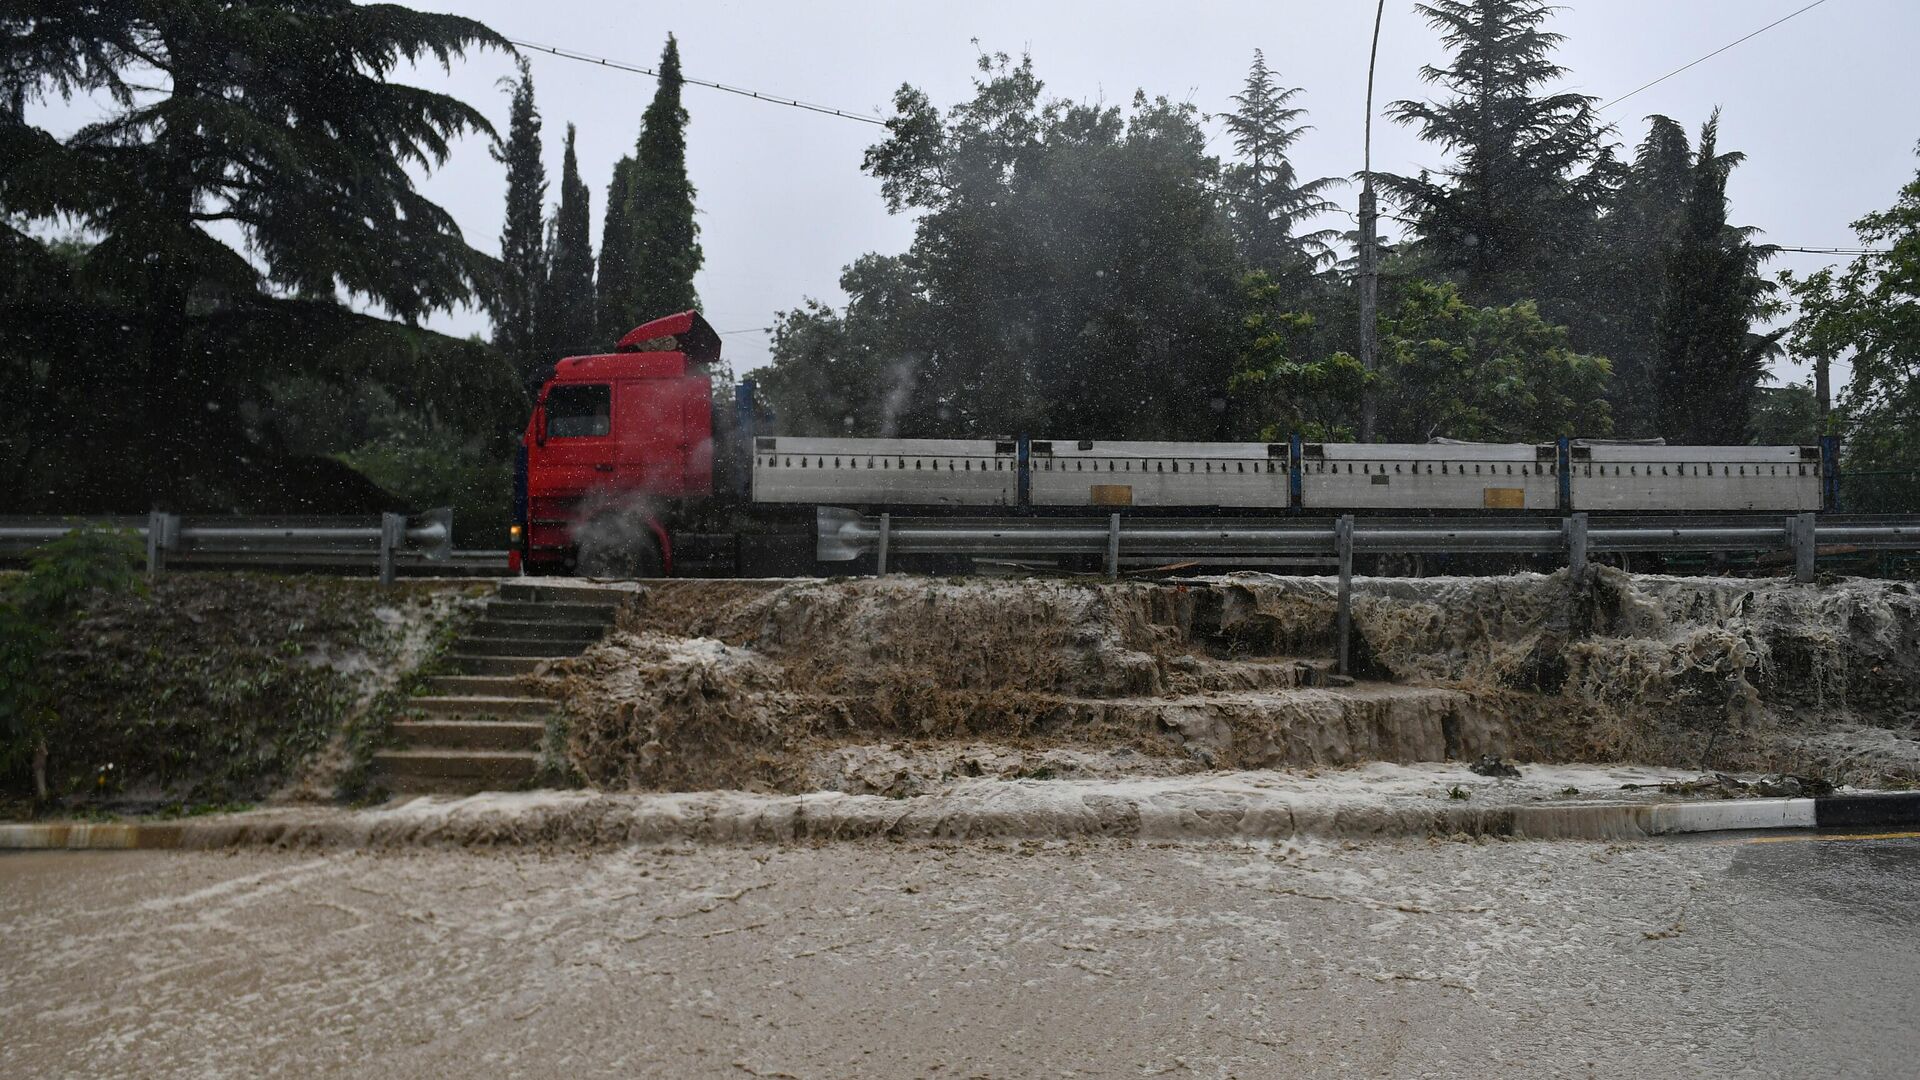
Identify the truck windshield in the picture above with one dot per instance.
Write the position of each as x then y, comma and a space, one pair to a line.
578, 412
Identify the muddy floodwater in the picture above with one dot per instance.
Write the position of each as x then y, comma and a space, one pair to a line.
1675, 959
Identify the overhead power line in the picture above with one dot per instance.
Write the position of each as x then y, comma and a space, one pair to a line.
1711, 55
774, 99
1830, 250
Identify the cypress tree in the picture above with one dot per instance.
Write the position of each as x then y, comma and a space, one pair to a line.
616, 247
664, 249
564, 314
1267, 198
1637, 235
1709, 360
1510, 217
521, 248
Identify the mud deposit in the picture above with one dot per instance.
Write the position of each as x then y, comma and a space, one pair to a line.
900, 686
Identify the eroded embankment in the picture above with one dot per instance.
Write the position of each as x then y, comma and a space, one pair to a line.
900, 685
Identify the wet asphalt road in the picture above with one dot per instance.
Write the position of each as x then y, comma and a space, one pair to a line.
1758, 956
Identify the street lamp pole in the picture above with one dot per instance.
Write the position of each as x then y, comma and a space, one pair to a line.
1369, 253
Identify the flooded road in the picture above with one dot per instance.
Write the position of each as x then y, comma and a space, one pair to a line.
1684, 959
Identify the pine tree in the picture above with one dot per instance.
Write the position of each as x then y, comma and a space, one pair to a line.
1709, 359
564, 315
1268, 200
664, 248
613, 297
521, 247
273, 117
1510, 217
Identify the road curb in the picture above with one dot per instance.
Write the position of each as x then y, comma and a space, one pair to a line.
1589, 821
589, 820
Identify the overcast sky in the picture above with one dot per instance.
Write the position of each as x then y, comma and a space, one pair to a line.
1826, 107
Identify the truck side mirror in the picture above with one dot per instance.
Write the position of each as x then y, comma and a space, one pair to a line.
540, 423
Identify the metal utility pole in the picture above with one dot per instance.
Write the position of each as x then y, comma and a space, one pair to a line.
1369, 253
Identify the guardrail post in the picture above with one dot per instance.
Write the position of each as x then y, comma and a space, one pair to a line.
1343, 620
1800, 530
1113, 547
880, 548
393, 533
163, 532
1575, 528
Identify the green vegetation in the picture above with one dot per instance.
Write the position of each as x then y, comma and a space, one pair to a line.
649, 247
34, 608
1869, 313
1094, 270
523, 250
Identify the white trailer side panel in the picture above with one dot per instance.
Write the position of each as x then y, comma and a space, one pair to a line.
1097, 473
1424, 476
884, 472
1701, 478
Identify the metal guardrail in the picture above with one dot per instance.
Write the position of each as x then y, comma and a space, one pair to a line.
844, 535
385, 542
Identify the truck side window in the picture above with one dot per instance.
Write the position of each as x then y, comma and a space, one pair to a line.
578, 412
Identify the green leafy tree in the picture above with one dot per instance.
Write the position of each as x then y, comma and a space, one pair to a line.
277, 119
1512, 214
1285, 377
1869, 313
1450, 369
1784, 416
854, 373
1271, 204
1709, 358
522, 249
660, 241
564, 315
1072, 271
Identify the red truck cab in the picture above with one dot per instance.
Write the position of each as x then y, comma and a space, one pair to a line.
617, 443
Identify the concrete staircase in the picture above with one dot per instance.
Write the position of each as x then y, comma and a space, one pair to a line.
479, 730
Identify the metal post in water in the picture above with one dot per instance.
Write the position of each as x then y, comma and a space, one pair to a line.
1575, 528
393, 533
1343, 622
163, 531
880, 549
1113, 547
1800, 529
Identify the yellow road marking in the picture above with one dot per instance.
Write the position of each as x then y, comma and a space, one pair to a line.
1831, 836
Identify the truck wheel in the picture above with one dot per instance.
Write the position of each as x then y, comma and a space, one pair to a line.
618, 549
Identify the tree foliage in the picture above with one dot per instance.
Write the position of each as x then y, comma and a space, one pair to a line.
1709, 358
1869, 313
658, 242
1072, 270
522, 240
32, 607
1492, 374
1509, 217
1270, 203
277, 121
564, 312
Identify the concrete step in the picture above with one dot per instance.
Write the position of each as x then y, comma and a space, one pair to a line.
485, 685
482, 705
564, 594
495, 666
524, 735
545, 631
513, 646
499, 769
554, 611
